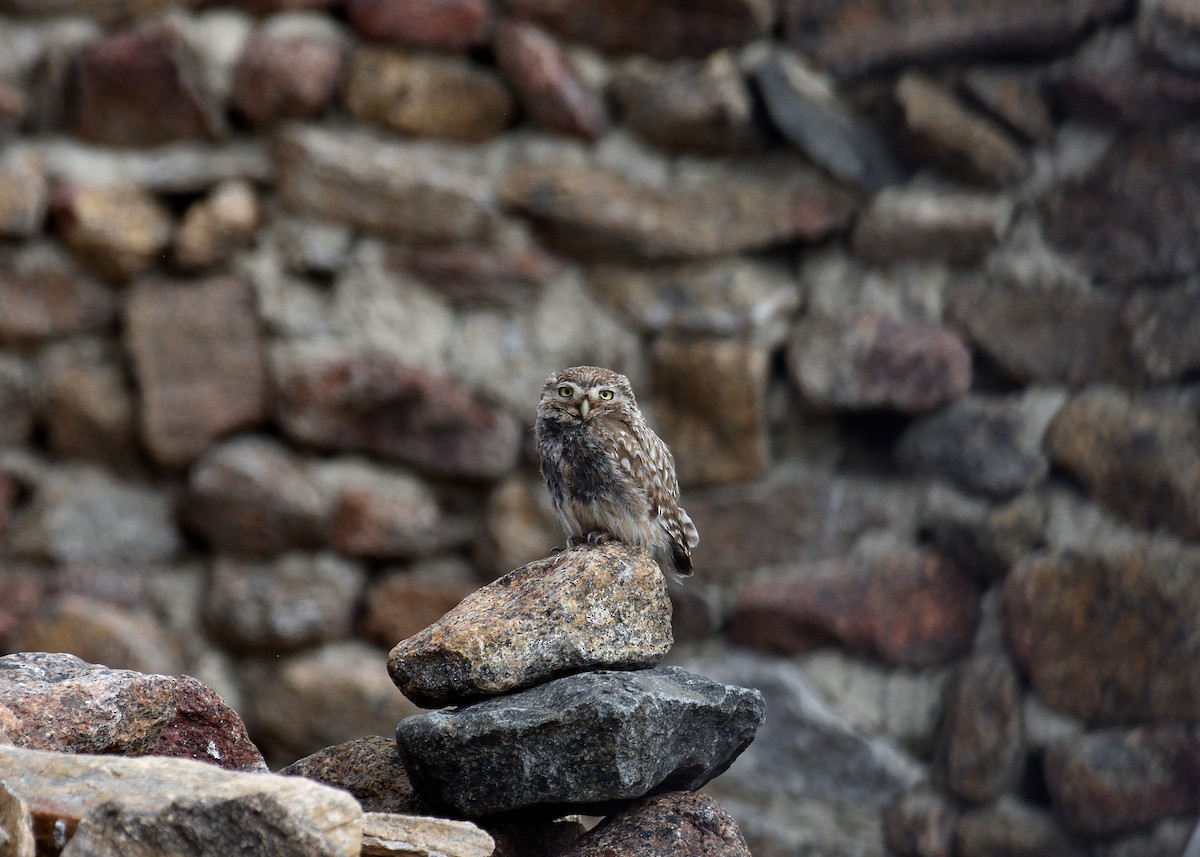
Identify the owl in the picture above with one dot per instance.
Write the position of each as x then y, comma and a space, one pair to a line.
609, 474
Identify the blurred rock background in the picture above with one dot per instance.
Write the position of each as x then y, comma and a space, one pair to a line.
911, 288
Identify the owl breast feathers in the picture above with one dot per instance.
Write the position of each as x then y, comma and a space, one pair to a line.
608, 473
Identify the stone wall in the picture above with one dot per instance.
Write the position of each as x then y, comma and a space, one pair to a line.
909, 287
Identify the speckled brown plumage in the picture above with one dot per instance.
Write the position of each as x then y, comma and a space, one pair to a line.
608, 473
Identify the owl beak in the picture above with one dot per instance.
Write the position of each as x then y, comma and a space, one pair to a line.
584, 407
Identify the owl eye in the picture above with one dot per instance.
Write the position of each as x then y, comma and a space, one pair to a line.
566, 392
606, 394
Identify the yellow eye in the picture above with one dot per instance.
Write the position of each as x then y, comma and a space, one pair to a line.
566, 392
606, 394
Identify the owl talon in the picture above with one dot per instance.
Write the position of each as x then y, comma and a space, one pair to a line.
595, 539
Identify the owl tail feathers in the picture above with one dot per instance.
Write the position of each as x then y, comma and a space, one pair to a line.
681, 559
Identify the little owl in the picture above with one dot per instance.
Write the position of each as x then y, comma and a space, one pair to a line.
609, 474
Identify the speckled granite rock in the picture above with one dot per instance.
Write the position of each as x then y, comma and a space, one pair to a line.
628, 734
679, 824
585, 608
369, 768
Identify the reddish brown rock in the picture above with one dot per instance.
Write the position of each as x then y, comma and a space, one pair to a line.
117, 231
455, 25
263, 8
87, 408
917, 609
50, 303
1125, 220
852, 38
725, 210
248, 496
1109, 638
1138, 461
197, 354
979, 751
102, 11
369, 768
400, 606
921, 824
678, 823
54, 699
100, 633
715, 421
666, 29
141, 87
287, 604
688, 105
548, 88
942, 131
287, 75
23, 193
382, 407
206, 729
427, 95
475, 275
873, 361
382, 515
215, 227
1116, 780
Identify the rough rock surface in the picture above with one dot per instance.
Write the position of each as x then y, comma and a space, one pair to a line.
206, 729
675, 823
585, 608
386, 834
629, 734
369, 768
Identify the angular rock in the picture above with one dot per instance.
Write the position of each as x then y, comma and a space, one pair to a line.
288, 73
214, 227
946, 133
917, 609
921, 824
454, 25
1110, 82
715, 421
49, 303
873, 361
1036, 336
1161, 325
1010, 826
427, 95
629, 734
681, 823
990, 445
1016, 98
1170, 29
24, 194
1115, 780
379, 406
548, 88
87, 405
980, 752
1139, 461
1124, 220
401, 605
248, 496
107, 804
322, 697
955, 226
369, 768
287, 604
405, 190
140, 87
82, 514
688, 105
206, 729
475, 275
727, 209
853, 38
386, 834
586, 608
198, 357
116, 230
53, 700
725, 297
805, 107
101, 633
1072, 618
664, 30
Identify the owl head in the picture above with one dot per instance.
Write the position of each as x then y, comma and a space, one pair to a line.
586, 393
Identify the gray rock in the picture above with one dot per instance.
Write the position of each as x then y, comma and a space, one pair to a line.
626, 734
1171, 30
16, 405
585, 608
927, 222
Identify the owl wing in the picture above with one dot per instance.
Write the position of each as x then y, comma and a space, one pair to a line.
643, 455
